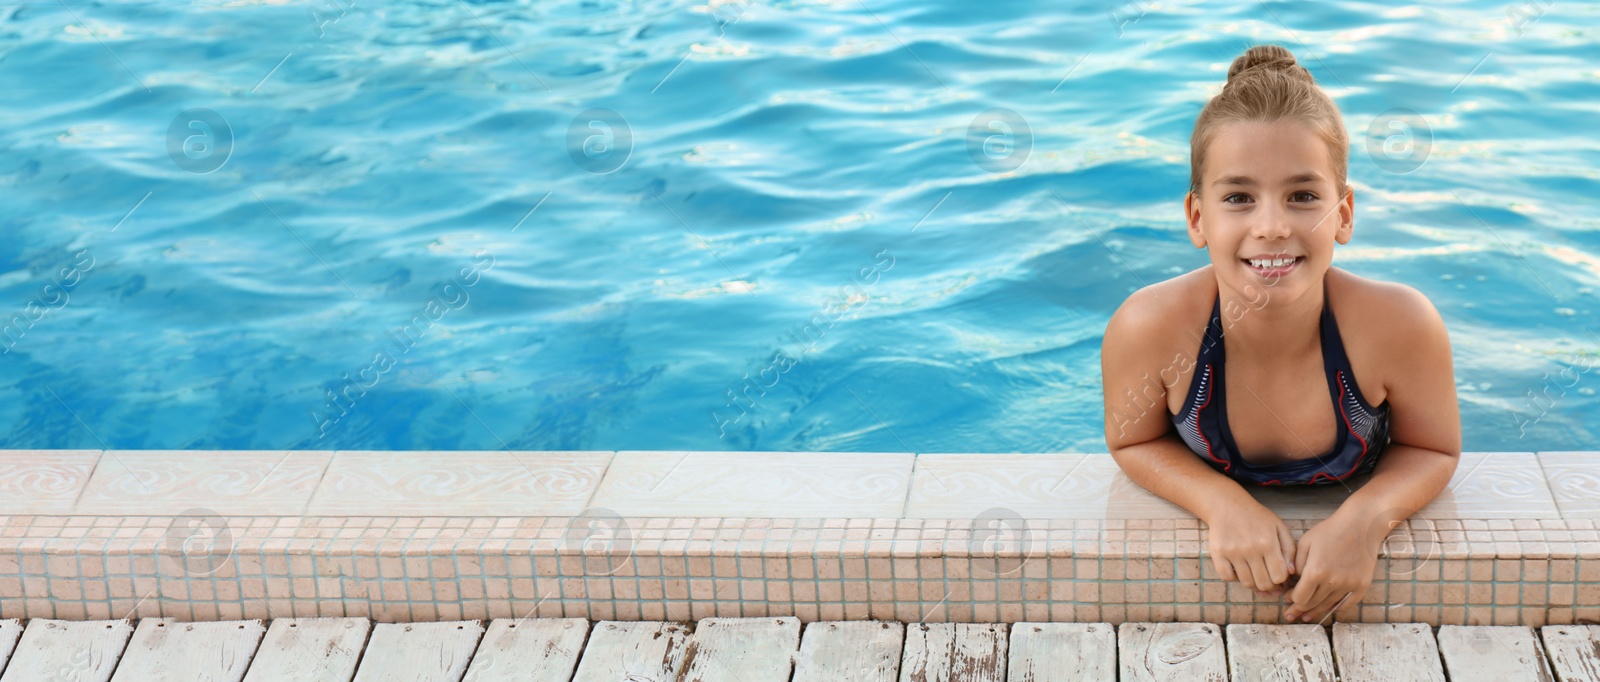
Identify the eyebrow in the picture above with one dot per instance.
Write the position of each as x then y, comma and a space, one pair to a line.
1250, 182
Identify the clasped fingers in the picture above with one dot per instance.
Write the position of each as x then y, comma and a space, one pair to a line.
1317, 596
1258, 566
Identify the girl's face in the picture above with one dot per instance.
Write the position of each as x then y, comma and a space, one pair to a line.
1268, 195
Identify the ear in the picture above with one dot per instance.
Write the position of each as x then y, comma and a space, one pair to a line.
1191, 211
1347, 216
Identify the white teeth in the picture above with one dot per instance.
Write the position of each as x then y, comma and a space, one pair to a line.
1271, 262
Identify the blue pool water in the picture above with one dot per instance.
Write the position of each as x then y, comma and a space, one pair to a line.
606, 215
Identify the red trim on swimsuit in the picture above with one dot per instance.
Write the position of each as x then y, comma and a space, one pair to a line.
1225, 465
1339, 376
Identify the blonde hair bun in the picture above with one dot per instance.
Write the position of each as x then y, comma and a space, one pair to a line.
1267, 84
1266, 58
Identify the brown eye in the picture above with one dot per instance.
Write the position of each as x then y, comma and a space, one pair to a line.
1225, 199
1309, 196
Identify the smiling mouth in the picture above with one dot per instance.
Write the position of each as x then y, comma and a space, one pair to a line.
1273, 266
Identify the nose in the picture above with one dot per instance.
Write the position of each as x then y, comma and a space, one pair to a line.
1272, 222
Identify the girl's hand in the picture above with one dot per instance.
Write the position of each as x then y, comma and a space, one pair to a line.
1253, 546
1336, 558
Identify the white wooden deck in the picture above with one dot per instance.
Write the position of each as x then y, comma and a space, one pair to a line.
781, 650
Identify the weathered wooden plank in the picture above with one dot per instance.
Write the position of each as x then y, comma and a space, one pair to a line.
634, 651
954, 652
310, 650
1574, 651
1280, 652
1492, 653
80, 651
1062, 652
167, 649
10, 632
1386, 651
529, 650
419, 652
742, 650
850, 651
1182, 652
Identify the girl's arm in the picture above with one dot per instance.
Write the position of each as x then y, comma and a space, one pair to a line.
1248, 542
1339, 554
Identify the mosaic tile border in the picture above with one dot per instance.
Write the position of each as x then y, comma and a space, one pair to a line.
578, 560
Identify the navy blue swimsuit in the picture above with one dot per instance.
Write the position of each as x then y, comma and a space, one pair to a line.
1203, 421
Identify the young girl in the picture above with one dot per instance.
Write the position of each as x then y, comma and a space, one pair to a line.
1270, 366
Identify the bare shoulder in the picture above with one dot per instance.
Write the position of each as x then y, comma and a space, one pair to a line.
1390, 313
1141, 355
1154, 316
1398, 331
1397, 344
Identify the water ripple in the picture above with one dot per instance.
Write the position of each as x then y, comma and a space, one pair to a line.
778, 157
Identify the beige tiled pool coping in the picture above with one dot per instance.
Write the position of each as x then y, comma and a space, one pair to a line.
402, 536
